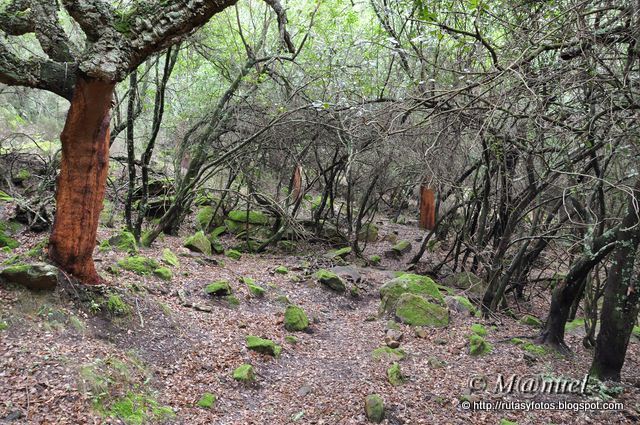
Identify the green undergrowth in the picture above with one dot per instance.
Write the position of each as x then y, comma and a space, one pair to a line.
118, 389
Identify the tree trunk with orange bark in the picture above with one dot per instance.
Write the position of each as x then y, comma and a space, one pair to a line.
427, 208
87, 79
82, 179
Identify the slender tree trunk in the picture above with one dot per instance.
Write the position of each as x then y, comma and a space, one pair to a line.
82, 179
620, 305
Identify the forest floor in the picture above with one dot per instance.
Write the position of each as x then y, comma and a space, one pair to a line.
67, 360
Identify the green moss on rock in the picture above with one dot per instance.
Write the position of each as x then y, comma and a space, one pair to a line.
233, 254
250, 217
198, 243
331, 280
38, 276
218, 288
478, 346
207, 401
375, 260
531, 321
394, 375
339, 253
281, 270
402, 247
244, 373
368, 233
478, 329
468, 281
408, 283
392, 354
138, 264
374, 408
6, 241
125, 242
169, 258
117, 306
204, 217
295, 319
262, 345
414, 310
163, 273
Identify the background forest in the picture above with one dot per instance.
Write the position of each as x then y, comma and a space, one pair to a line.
448, 187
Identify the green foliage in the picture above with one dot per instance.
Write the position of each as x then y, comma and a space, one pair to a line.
478, 329
394, 375
163, 273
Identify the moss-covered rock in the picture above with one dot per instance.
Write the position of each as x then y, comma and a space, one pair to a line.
392, 354
330, 280
400, 248
460, 304
574, 325
256, 290
117, 306
218, 288
368, 233
244, 373
374, 408
468, 281
281, 270
6, 241
414, 310
263, 345
169, 258
216, 245
529, 346
207, 401
37, 276
250, 217
408, 283
139, 265
295, 319
233, 254
204, 217
394, 375
217, 232
478, 346
531, 321
198, 243
375, 260
163, 273
125, 242
478, 329
339, 253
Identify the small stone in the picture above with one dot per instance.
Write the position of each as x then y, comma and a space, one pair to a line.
394, 375
207, 401
281, 270
203, 308
374, 408
262, 345
218, 288
331, 280
304, 390
295, 319
36, 276
420, 332
391, 343
244, 373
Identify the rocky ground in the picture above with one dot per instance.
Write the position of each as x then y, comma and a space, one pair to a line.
146, 350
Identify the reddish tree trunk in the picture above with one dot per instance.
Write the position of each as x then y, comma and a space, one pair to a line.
83, 174
427, 208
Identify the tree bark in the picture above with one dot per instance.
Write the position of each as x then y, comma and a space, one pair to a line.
427, 208
82, 179
620, 305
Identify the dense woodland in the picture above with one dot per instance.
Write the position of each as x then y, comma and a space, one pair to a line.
328, 211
